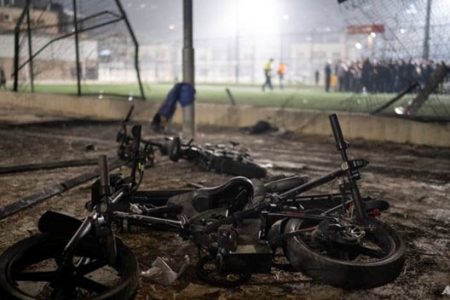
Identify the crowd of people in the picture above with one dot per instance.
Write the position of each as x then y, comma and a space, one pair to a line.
385, 76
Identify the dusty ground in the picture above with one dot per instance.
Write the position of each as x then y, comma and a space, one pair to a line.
416, 181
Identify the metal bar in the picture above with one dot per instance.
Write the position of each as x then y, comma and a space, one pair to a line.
301, 215
188, 66
395, 99
438, 76
17, 46
67, 35
237, 44
84, 229
47, 166
30, 49
426, 39
104, 174
136, 46
136, 132
106, 12
51, 191
230, 96
311, 184
77, 46
148, 219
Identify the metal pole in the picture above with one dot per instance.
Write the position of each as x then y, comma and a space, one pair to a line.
188, 66
30, 49
236, 43
136, 47
17, 46
77, 46
426, 41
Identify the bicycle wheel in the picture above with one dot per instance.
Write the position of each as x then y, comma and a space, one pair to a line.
375, 261
28, 270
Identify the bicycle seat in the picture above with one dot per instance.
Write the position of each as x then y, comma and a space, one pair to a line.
233, 195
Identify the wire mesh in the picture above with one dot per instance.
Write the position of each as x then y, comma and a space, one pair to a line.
404, 44
106, 51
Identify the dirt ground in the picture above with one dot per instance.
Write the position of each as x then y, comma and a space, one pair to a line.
415, 180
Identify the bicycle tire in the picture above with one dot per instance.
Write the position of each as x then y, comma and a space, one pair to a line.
46, 247
343, 273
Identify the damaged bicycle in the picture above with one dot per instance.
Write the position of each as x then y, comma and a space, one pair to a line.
238, 227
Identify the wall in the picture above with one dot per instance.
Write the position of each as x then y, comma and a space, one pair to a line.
308, 122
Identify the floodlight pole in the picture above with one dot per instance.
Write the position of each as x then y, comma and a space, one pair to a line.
426, 40
188, 66
236, 43
77, 46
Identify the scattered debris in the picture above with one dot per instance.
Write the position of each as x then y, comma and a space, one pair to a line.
261, 127
163, 273
91, 147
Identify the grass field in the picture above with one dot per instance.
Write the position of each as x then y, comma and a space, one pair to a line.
303, 97
306, 97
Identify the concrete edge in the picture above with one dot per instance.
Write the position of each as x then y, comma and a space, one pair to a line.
375, 128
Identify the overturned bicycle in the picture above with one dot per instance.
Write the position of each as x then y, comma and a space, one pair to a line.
228, 159
335, 238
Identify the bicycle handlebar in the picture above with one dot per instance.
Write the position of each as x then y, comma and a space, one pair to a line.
337, 133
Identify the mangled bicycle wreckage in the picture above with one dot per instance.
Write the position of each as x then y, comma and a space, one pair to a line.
237, 227
229, 159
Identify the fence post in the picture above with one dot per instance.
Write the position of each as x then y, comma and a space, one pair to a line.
77, 46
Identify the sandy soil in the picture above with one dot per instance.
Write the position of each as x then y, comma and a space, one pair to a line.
415, 180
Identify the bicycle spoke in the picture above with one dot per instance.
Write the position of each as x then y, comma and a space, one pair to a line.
35, 276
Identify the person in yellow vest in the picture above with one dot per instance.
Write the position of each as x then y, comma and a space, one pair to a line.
268, 75
281, 71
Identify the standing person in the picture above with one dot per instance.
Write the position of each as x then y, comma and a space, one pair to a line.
268, 75
317, 77
327, 76
342, 75
281, 71
2, 78
366, 76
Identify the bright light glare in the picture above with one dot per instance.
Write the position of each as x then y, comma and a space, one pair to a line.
358, 46
373, 34
259, 16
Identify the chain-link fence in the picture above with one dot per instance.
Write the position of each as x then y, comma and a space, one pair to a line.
404, 68
72, 46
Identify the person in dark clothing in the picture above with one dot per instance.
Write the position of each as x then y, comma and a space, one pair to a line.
2, 78
327, 77
411, 72
366, 75
427, 72
181, 92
